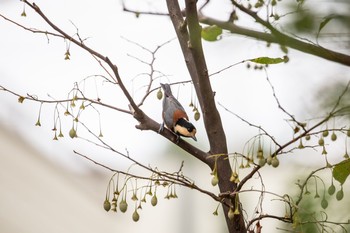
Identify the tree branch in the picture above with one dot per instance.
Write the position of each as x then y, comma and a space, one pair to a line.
278, 37
191, 44
274, 37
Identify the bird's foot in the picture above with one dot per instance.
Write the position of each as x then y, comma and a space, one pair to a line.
177, 140
161, 128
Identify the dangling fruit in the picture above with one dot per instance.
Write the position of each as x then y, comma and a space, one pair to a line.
123, 206
154, 200
331, 189
72, 133
324, 203
262, 162
340, 194
321, 142
159, 94
197, 115
106, 205
333, 137
275, 162
214, 180
325, 133
135, 216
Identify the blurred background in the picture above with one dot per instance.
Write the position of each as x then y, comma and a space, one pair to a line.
44, 186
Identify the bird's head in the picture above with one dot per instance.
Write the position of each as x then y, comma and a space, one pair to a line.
185, 128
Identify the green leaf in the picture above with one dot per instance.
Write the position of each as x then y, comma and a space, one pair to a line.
325, 21
341, 171
211, 33
269, 60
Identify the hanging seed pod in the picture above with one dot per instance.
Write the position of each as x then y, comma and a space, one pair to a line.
21, 99
262, 162
325, 133
214, 180
154, 200
60, 135
135, 216
197, 115
321, 141
234, 177
275, 162
331, 189
106, 205
340, 194
72, 133
296, 129
159, 94
324, 203
333, 137
307, 137
123, 206
134, 197
67, 55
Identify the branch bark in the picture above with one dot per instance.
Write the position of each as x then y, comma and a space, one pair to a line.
189, 35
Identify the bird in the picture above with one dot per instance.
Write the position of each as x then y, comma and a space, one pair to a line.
175, 117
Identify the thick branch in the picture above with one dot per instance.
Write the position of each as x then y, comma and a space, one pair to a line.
191, 45
278, 37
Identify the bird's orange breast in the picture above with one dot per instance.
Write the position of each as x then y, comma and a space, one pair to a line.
179, 114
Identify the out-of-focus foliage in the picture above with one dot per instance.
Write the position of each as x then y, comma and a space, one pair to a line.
323, 19
328, 96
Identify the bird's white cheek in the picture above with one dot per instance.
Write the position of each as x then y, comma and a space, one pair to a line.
181, 130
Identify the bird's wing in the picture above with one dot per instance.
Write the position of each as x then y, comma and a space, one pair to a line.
174, 111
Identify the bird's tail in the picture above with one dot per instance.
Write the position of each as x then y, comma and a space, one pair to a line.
167, 89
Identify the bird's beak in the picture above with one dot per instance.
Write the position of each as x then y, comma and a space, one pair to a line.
194, 138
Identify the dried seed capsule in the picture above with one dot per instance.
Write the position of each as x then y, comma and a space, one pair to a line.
324, 203
135, 216
72, 133
123, 206
197, 115
340, 194
106, 205
331, 189
321, 142
325, 133
159, 94
154, 200
333, 137
275, 162
214, 180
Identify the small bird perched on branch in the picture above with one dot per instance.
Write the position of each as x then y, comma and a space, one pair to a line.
175, 117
